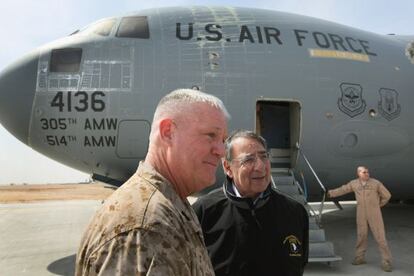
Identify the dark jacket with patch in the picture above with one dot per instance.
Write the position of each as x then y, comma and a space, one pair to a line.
270, 237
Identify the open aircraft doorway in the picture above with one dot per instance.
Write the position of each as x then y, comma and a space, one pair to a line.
279, 121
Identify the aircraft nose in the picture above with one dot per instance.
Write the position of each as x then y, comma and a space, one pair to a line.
17, 90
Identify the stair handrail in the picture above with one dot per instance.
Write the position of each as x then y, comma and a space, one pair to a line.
317, 178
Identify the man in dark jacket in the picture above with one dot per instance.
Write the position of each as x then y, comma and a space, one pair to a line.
248, 228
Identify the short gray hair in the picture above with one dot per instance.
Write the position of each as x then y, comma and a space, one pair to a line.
241, 133
173, 104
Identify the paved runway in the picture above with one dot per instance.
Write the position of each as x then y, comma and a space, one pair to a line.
42, 238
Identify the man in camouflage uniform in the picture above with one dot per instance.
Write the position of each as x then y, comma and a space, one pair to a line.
371, 195
147, 227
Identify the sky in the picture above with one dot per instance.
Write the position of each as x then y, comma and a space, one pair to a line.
27, 24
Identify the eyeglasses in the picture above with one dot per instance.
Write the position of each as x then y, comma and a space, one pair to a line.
365, 172
250, 160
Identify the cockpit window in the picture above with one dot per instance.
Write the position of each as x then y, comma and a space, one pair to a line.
102, 27
133, 27
65, 60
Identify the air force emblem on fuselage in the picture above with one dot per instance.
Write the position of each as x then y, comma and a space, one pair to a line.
388, 105
351, 102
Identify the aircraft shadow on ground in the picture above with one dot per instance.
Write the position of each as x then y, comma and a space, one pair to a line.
64, 266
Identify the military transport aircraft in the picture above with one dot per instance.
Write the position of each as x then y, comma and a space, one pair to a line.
341, 94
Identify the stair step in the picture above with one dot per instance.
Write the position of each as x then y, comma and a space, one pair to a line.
324, 259
314, 226
312, 220
288, 189
317, 235
321, 249
283, 180
279, 171
299, 198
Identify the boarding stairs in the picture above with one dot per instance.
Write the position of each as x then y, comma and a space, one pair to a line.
285, 182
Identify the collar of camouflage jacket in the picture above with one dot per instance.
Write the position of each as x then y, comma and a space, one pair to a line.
149, 174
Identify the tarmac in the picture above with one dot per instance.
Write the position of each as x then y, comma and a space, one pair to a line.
42, 238
340, 228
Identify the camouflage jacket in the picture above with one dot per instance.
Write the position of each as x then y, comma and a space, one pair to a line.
144, 228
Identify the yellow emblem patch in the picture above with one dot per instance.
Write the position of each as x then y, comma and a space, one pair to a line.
294, 245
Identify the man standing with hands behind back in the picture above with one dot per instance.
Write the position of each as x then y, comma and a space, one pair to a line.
370, 195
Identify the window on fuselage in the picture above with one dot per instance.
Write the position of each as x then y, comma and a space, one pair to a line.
102, 27
65, 60
133, 27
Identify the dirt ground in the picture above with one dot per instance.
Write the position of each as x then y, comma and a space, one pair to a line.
42, 192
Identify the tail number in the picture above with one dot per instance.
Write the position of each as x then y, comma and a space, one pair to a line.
78, 101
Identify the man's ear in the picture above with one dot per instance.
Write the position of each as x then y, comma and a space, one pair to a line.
226, 168
166, 129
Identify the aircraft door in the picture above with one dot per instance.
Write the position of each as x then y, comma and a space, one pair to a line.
133, 139
278, 121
